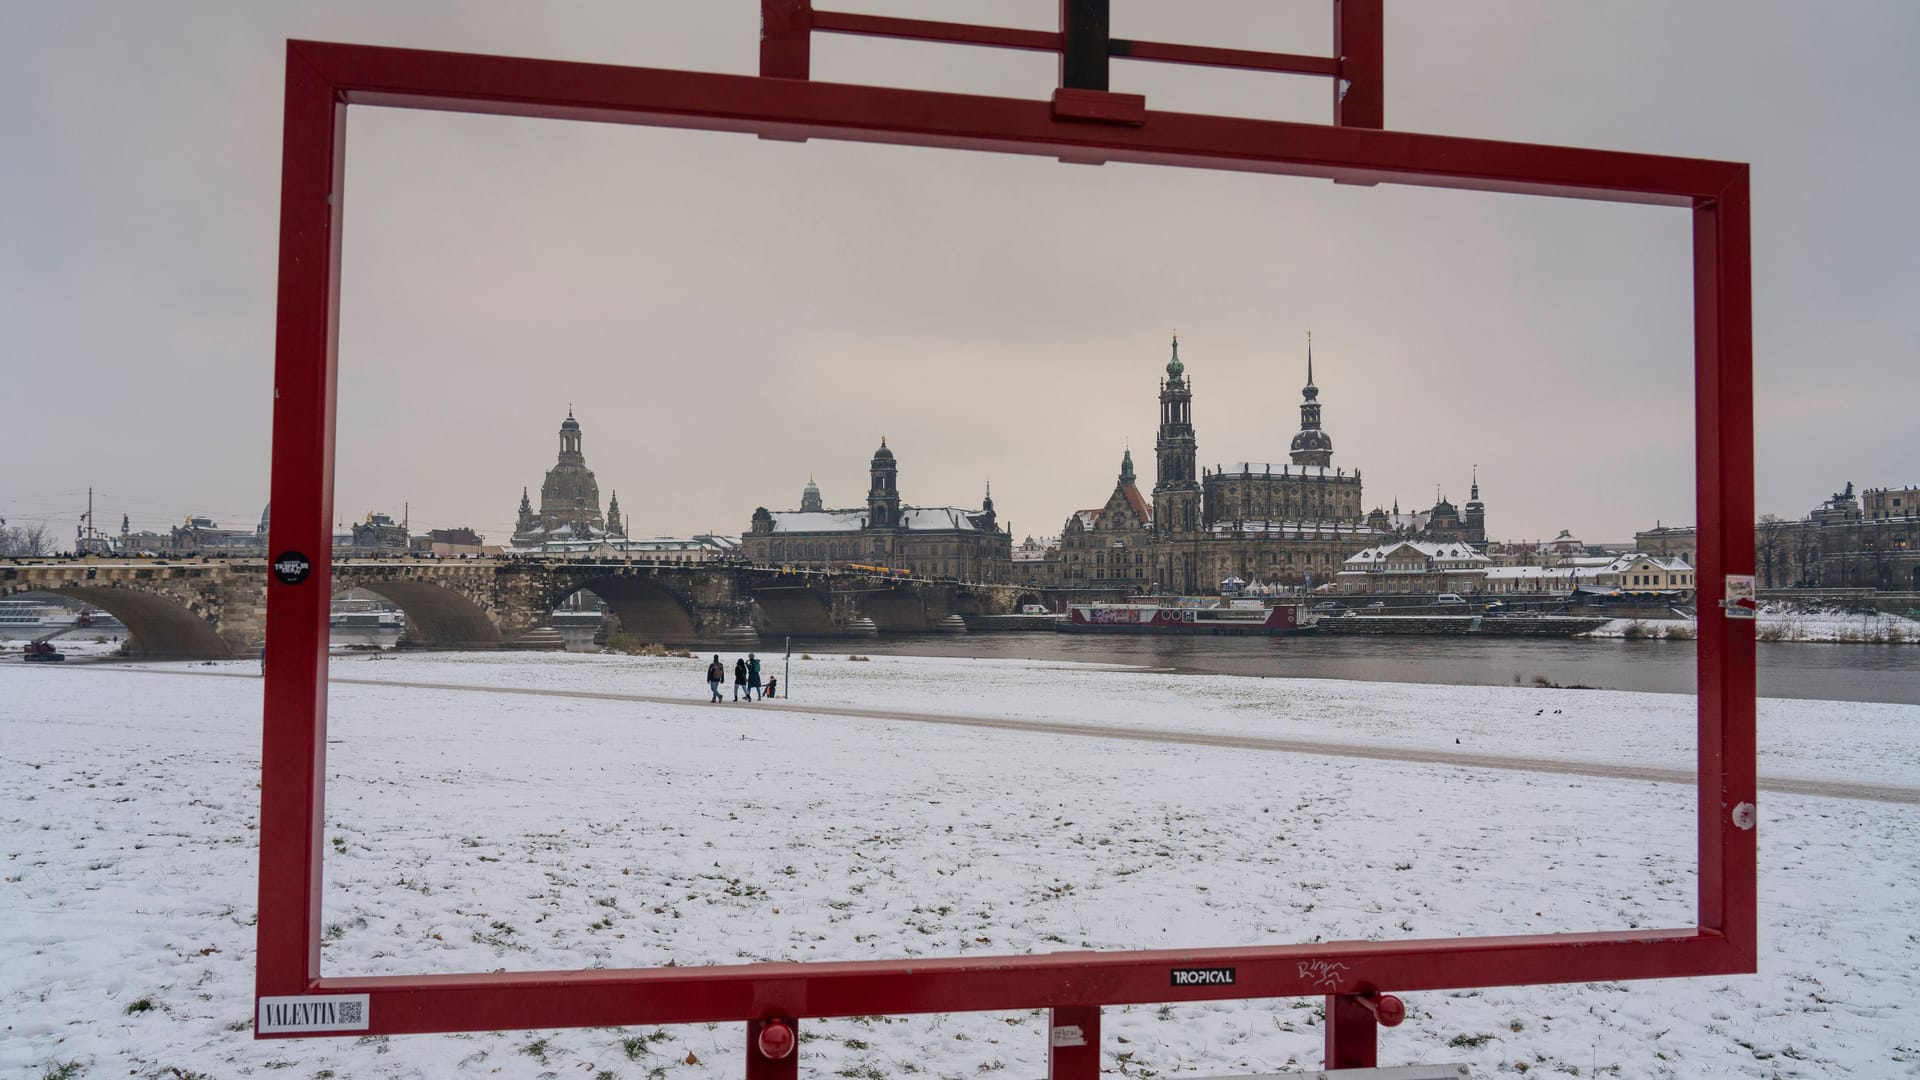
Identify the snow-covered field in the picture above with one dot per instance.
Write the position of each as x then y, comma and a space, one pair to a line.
482, 830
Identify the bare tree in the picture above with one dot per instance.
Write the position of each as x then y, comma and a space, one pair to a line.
29, 539
1768, 537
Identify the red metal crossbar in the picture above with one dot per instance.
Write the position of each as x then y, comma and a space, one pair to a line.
1084, 45
325, 80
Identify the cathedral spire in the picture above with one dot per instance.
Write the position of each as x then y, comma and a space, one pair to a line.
1174, 367
1126, 467
1474, 495
1311, 446
1310, 391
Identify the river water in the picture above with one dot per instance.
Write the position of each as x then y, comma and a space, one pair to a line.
1888, 673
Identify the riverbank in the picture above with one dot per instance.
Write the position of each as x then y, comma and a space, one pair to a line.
471, 829
1781, 624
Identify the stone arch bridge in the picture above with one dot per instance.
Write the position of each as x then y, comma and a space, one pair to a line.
213, 607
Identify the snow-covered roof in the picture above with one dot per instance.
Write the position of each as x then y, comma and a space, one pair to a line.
1451, 554
923, 518
1523, 573
938, 517
1671, 565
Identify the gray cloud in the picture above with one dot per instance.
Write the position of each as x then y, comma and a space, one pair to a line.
728, 315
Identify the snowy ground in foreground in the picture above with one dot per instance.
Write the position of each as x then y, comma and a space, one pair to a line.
476, 831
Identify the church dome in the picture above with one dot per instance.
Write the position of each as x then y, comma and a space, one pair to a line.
569, 424
1174, 367
1312, 439
883, 454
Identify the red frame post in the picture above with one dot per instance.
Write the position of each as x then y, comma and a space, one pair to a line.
1352, 1033
1073, 1043
325, 80
1359, 46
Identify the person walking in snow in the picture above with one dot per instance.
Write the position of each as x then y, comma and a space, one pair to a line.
753, 677
716, 674
773, 686
740, 680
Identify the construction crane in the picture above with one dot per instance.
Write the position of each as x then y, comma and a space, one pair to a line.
41, 650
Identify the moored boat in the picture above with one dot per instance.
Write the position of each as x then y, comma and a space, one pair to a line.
1186, 617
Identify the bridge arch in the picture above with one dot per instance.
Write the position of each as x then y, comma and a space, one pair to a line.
646, 607
437, 617
898, 611
159, 627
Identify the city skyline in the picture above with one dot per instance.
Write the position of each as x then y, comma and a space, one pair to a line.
999, 319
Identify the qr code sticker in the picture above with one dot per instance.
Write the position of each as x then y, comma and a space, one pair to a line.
352, 1013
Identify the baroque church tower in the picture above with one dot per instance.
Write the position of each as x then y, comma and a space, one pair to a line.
1476, 519
883, 495
1312, 446
1176, 495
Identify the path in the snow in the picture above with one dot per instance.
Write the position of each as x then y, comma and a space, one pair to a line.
1777, 784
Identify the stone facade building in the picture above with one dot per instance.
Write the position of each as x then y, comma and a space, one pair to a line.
200, 536
1112, 545
1291, 524
1869, 541
569, 500
1036, 563
936, 542
379, 534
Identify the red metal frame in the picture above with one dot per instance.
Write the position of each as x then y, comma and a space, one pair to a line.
325, 80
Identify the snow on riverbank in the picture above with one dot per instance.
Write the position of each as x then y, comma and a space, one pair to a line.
1785, 624
473, 831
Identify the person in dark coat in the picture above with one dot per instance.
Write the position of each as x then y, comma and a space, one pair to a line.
716, 674
740, 680
773, 686
753, 677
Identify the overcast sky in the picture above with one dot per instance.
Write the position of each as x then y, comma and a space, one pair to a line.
727, 316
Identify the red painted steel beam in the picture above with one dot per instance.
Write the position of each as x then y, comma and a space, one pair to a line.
457, 82
1208, 56
1359, 43
1073, 1043
1723, 479
786, 40
1001, 37
293, 741
1352, 1033
685, 995
323, 79
997, 37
